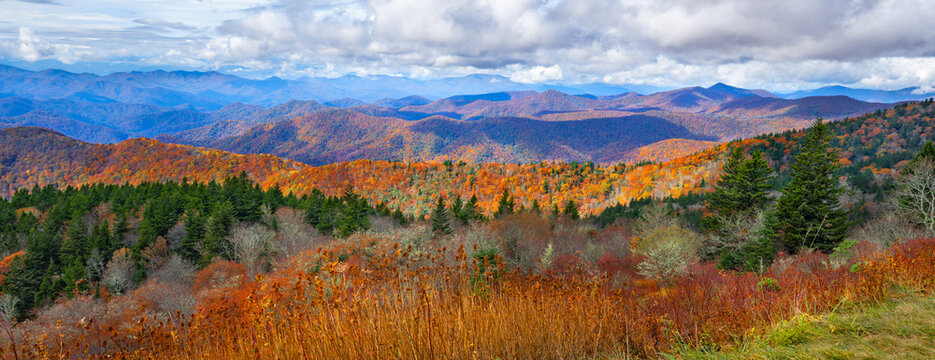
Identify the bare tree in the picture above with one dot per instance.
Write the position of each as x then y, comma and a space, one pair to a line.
175, 301
654, 217
252, 245
156, 255
8, 304
737, 231
916, 191
176, 271
95, 265
888, 228
118, 277
295, 234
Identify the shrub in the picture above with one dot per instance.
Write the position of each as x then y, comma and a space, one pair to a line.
767, 284
669, 252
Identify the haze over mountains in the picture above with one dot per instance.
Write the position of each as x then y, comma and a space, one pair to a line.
476, 118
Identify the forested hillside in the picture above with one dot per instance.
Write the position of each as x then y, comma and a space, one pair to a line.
722, 247
869, 148
32, 156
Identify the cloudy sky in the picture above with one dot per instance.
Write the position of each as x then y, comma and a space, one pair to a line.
778, 45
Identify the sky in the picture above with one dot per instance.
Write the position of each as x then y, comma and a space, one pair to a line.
777, 45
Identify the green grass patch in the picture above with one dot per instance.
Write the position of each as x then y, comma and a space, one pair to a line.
902, 328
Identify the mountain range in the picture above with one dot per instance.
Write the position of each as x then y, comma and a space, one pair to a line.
384, 118
529, 126
870, 146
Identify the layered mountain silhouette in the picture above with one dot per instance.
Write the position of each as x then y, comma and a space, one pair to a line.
515, 125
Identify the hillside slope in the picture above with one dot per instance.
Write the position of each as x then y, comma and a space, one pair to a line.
34, 156
345, 135
871, 147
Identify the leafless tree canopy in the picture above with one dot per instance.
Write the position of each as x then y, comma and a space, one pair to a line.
252, 245
118, 277
916, 191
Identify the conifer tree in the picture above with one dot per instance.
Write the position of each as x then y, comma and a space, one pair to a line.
102, 240
457, 206
74, 252
75, 245
926, 153
808, 213
742, 189
440, 219
222, 218
504, 205
353, 214
195, 231
400, 217
470, 211
571, 210
313, 206
121, 228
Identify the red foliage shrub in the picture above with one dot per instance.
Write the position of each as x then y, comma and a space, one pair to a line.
220, 274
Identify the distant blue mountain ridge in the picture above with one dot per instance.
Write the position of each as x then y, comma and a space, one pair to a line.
191, 106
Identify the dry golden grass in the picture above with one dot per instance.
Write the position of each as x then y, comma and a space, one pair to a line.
383, 303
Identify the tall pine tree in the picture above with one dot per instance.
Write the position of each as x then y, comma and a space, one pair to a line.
195, 231
440, 218
470, 211
505, 205
742, 189
808, 213
571, 210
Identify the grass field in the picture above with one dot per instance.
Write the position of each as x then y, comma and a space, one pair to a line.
900, 328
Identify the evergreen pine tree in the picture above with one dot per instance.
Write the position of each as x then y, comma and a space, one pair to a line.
742, 189
571, 210
222, 218
313, 207
400, 217
535, 207
102, 240
927, 152
354, 214
74, 252
470, 211
457, 206
121, 228
195, 231
808, 214
75, 245
440, 218
504, 205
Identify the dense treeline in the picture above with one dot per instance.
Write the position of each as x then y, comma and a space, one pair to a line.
62, 240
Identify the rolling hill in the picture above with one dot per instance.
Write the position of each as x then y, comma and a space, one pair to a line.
345, 135
871, 147
32, 156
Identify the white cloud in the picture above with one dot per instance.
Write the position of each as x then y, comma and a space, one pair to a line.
31, 48
537, 74
769, 43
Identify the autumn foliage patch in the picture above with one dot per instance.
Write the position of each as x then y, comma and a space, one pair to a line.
386, 302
